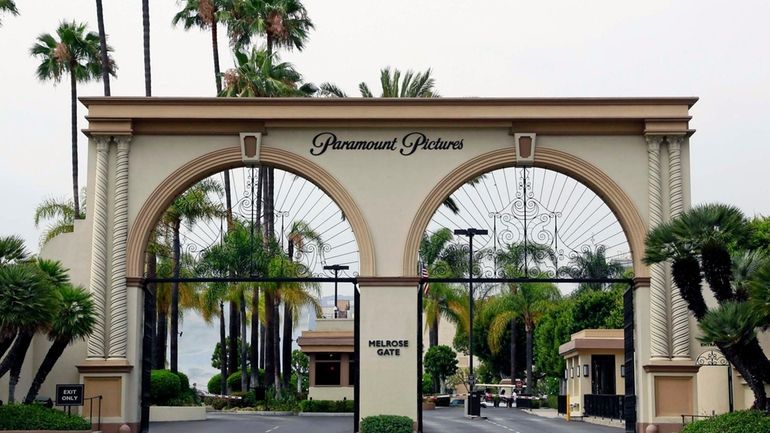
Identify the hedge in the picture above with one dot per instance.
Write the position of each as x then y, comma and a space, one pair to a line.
386, 424
37, 417
164, 386
327, 406
748, 421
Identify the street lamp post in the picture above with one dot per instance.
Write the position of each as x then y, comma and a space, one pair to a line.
470, 232
336, 269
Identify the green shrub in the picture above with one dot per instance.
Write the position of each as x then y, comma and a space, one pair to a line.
315, 406
234, 381
164, 386
551, 401
218, 403
386, 424
184, 381
215, 384
37, 417
535, 403
748, 421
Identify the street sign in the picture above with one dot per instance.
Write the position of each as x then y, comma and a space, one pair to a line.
69, 394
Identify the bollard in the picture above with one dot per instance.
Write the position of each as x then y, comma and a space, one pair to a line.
652, 428
569, 409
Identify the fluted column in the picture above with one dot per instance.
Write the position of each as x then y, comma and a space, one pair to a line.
658, 316
118, 341
680, 316
98, 282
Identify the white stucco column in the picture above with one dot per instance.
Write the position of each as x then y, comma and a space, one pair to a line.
118, 328
680, 317
658, 296
98, 280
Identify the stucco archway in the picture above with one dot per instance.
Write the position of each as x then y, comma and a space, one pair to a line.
570, 165
222, 159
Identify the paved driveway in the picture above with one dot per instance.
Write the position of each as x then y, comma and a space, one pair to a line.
442, 420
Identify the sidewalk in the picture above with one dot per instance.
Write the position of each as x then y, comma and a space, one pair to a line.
552, 413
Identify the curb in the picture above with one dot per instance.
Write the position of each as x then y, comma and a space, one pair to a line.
260, 412
325, 414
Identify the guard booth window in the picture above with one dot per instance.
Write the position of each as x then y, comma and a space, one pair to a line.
327, 369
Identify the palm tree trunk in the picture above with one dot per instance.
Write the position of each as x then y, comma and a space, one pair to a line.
215, 49
513, 352
146, 45
103, 48
53, 355
433, 332
5, 343
74, 137
268, 341
17, 355
254, 349
530, 385
244, 355
287, 344
176, 263
262, 346
222, 351
277, 349
152, 272
161, 340
235, 335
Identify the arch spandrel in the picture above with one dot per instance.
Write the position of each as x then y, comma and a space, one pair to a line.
201, 167
594, 178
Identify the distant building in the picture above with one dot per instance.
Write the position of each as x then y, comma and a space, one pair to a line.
330, 348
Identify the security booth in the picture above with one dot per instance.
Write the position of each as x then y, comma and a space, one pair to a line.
330, 347
594, 373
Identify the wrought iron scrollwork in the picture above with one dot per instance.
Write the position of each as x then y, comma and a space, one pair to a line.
712, 357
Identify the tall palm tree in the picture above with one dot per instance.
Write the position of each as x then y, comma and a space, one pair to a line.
284, 23
212, 303
146, 47
73, 320
8, 6
698, 243
529, 302
203, 14
103, 50
593, 264
520, 259
299, 236
29, 301
75, 53
259, 74
193, 205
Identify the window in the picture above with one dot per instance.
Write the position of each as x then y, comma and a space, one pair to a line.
327, 369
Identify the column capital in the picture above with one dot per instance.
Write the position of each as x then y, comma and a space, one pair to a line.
123, 142
674, 141
654, 142
102, 142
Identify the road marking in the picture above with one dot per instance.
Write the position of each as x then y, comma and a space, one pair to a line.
274, 428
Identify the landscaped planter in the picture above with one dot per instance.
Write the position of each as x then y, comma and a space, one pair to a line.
46, 431
177, 413
428, 405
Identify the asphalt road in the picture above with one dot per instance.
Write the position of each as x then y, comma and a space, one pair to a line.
442, 420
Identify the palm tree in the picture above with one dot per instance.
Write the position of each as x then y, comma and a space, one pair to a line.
413, 85
193, 205
443, 260
62, 215
146, 47
28, 303
593, 264
293, 295
12, 251
203, 14
8, 6
259, 74
212, 303
284, 23
103, 50
698, 243
73, 320
529, 302
76, 53
518, 260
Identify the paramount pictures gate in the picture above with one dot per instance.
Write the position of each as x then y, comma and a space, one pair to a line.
388, 164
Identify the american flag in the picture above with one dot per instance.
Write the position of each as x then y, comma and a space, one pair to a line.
426, 285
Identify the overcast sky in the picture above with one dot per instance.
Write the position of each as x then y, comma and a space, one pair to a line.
508, 48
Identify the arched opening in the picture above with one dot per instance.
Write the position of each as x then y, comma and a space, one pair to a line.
555, 247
